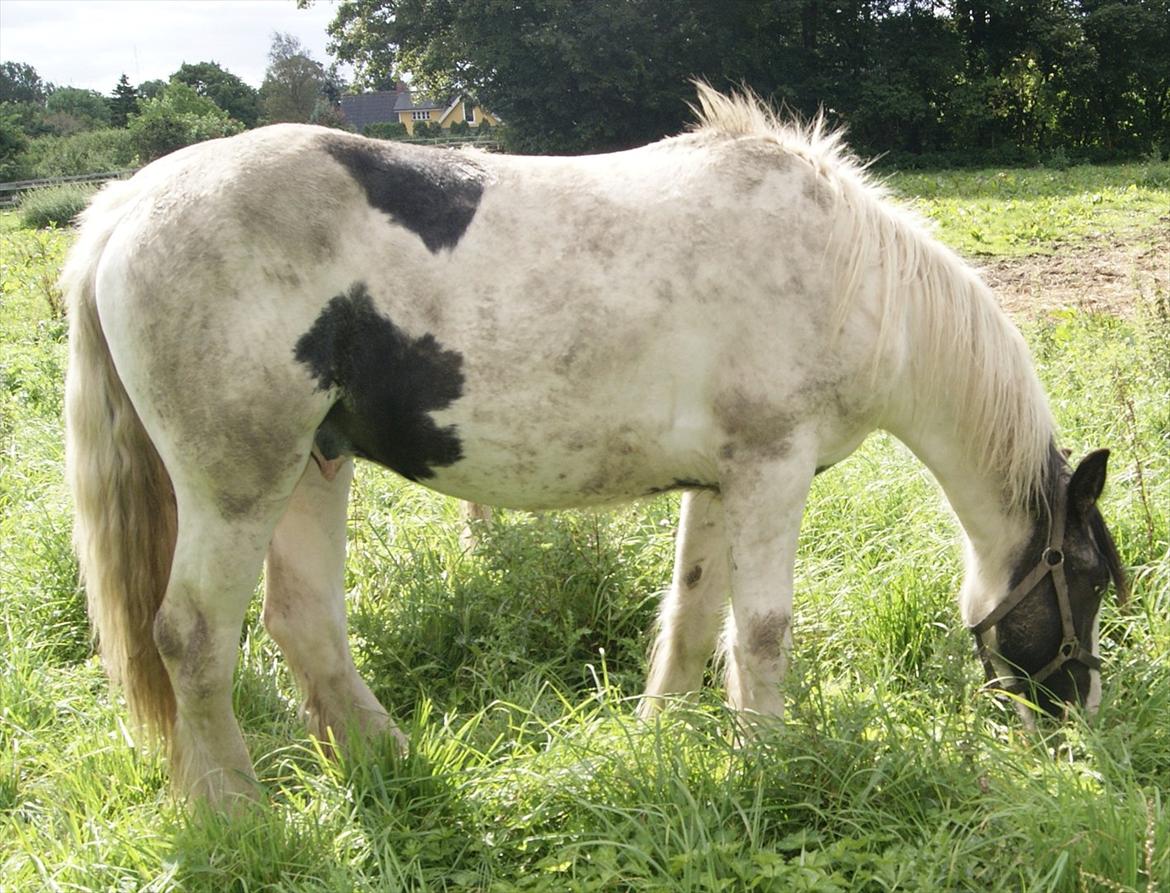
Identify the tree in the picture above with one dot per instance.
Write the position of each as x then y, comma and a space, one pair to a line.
71, 110
22, 98
996, 79
20, 83
566, 76
293, 81
225, 89
12, 146
151, 89
175, 118
1125, 97
123, 102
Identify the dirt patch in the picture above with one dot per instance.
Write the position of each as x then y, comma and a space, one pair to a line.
1104, 275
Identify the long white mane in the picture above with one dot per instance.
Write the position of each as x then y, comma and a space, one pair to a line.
965, 350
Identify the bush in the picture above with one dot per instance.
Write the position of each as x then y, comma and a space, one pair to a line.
70, 110
13, 146
92, 152
54, 205
177, 117
386, 130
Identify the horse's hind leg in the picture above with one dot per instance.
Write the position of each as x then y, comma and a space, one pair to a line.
197, 632
304, 607
691, 614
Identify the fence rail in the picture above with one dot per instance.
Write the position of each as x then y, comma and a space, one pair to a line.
10, 192
443, 142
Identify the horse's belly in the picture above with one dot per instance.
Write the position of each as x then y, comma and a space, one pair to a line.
531, 465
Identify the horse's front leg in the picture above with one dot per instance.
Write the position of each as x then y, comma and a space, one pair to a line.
474, 517
692, 611
763, 496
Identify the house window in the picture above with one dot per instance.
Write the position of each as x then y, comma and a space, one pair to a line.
420, 116
468, 113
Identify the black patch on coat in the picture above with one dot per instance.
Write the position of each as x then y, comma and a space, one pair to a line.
434, 193
388, 384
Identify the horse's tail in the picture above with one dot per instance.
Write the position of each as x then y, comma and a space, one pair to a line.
124, 506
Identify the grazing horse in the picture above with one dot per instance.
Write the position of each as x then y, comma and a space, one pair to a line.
728, 312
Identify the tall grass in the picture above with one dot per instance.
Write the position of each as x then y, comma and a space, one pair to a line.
54, 205
513, 667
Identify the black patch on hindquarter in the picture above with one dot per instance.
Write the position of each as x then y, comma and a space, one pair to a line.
434, 193
388, 383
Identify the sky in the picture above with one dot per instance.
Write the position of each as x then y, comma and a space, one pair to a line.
90, 43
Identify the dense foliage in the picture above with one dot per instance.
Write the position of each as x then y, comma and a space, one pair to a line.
225, 89
970, 80
920, 82
175, 118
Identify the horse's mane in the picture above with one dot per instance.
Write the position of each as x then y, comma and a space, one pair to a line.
926, 290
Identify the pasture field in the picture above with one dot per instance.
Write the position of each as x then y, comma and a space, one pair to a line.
514, 668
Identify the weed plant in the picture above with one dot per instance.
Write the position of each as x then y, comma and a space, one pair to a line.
513, 669
54, 205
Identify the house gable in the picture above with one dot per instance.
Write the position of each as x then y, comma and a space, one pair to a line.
401, 106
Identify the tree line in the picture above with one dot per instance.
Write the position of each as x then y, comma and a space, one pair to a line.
50, 131
975, 81
923, 82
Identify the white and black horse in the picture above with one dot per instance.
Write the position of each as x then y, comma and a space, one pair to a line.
727, 312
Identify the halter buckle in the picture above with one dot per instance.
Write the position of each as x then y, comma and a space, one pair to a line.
1053, 557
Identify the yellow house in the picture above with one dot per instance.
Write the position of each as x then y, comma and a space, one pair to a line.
400, 106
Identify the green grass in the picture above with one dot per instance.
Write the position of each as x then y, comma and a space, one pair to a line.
513, 667
1037, 210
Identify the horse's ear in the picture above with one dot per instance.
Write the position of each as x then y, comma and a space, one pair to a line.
1088, 481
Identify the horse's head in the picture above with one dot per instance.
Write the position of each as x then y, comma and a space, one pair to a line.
1045, 629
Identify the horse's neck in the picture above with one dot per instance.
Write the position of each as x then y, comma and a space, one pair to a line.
967, 402
997, 523
995, 530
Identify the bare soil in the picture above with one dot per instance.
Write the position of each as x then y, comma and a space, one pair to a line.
1101, 275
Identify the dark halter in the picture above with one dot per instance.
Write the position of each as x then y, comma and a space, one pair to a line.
1051, 562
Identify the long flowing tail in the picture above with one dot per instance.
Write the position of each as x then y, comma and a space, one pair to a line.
124, 506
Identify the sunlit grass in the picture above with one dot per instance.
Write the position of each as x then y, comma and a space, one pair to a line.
1036, 210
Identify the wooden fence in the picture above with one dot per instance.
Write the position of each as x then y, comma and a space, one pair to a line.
10, 192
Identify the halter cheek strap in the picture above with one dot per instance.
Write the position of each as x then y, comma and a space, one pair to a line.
1051, 562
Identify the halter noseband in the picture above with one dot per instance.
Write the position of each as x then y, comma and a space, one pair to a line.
1051, 562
